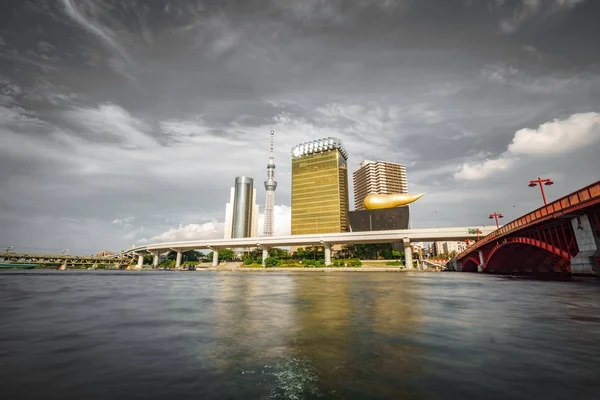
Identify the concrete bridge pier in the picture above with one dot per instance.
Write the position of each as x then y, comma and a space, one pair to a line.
588, 242
178, 258
327, 250
155, 254
265, 254
62, 266
215, 260
408, 262
140, 262
481, 262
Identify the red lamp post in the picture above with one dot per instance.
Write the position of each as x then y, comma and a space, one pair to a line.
496, 216
541, 182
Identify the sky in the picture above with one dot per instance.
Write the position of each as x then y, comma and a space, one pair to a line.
125, 122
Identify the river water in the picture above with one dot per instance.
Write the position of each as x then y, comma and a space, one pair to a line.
355, 335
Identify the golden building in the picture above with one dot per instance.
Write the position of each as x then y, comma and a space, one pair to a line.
378, 177
319, 187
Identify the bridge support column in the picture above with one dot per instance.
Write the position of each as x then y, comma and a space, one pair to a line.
408, 262
588, 243
140, 262
327, 251
178, 259
265, 255
481, 262
215, 260
155, 259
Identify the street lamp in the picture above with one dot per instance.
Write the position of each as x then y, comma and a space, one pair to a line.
496, 216
541, 182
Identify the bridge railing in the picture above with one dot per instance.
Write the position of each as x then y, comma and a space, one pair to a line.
568, 202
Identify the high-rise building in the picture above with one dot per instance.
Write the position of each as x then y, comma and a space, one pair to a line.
241, 213
319, 187
270, 186
378, 177
440, 248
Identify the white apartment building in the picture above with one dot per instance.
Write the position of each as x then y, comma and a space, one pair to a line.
448, 247
378, 177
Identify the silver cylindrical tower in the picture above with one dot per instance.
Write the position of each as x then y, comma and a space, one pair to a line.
242, 207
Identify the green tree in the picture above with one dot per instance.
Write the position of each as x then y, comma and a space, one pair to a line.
344, 252
256, 254
278, 253
191, 255
369, 251
299, 253
226, 255
314, 252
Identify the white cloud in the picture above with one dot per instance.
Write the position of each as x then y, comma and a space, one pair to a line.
527, 9
183, 128
122, 221
282, 220
499, 73
550, 138
558, 136
215, 229
335, 12
110, 122
208, 230
105, 35
519, 80
482, 170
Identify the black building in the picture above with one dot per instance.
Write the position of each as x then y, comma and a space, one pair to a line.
379, 220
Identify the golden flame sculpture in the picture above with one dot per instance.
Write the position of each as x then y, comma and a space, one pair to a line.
379, 201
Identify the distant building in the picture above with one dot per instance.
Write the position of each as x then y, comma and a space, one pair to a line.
457, 247
439, 248
241, 213
379, 220
378, 177
319, 187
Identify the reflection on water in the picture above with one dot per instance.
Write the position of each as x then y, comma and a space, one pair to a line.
97, 334
252, 318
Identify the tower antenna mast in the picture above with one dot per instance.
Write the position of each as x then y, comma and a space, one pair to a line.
270, 186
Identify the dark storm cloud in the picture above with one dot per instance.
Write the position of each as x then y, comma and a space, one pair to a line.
145, 112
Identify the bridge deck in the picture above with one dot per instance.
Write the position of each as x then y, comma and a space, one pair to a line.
389, 236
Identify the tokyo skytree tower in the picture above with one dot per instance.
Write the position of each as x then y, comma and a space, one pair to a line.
270, 186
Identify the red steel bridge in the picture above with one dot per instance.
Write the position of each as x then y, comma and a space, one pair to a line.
561, 237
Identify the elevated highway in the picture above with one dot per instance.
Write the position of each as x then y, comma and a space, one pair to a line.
321, 239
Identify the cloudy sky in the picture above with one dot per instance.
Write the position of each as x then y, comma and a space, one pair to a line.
125, 121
